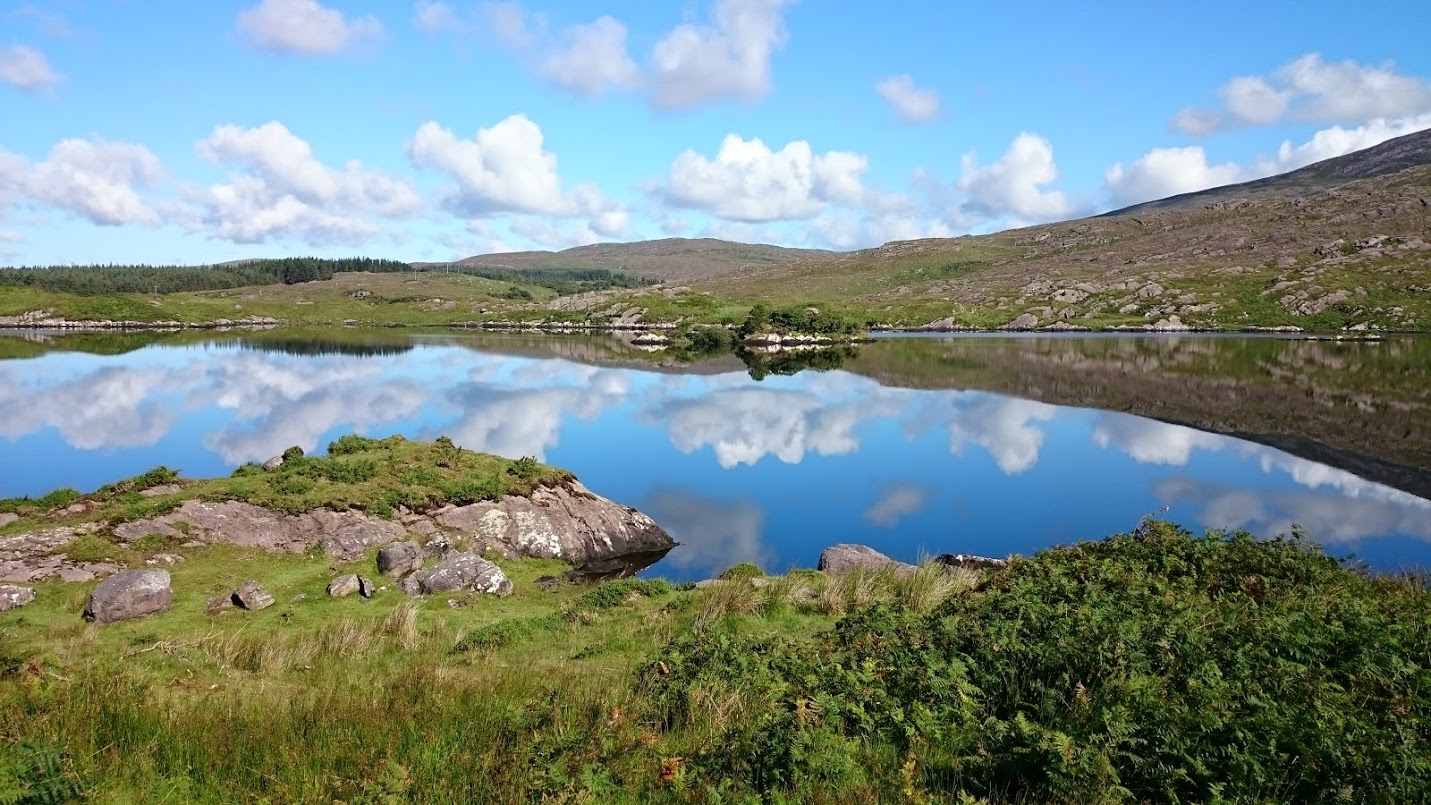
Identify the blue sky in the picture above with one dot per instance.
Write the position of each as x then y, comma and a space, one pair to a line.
198, 132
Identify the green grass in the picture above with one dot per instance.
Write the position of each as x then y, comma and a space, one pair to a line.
1152, 667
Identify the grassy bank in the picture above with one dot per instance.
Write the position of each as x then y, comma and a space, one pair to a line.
1153, 666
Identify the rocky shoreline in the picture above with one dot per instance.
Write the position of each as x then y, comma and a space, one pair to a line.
47, 320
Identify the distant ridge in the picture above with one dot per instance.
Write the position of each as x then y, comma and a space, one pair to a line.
1397, 154
666, 260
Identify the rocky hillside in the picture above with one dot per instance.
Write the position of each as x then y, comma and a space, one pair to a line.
1305, 250
667, 260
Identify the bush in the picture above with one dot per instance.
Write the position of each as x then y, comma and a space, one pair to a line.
57, 499
744, 570
351, 443
526, 468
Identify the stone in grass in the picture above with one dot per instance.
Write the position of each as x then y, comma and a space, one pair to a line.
366, 588
459, 571
845, 557
251, 596
344, 586
131, 594
14, 597
399, 559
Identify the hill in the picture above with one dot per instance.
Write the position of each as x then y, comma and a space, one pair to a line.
670, 260
1312, 249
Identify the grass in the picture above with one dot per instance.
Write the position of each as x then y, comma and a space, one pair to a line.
1155, 666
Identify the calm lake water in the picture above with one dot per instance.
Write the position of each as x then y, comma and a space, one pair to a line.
985, 445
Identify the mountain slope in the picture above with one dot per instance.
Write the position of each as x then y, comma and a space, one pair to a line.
671, 260
1269, 253
1389, 157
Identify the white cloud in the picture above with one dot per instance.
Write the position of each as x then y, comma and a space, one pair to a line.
434, 17
691, 65
843, 230
1148, 441
1166, 172
306, 27
899, 501
1002, 426
1013, 185
504, 169
1336, 141
695, 64
26, 68
103, 409
748, 182
284, 191
912, 104
591, 58
94, 179
1311, 89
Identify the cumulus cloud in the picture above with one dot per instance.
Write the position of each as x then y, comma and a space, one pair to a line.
899, 501
910, 103
434, 17
690, 65
283, 190
695, 64
306, 27
527, 421
504, 169
26, 68
1148, 441
103, 409
1013, 186
1311, 89
95, 179
1001, 425
1166, 172
746, 181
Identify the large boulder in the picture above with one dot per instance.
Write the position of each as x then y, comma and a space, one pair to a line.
459, 571
131, 594
566, 522
344, 586
13, 597
845, 557
399, 559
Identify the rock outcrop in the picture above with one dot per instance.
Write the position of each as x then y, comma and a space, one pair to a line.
399, 559
459, 571
846, 557
14, 597
344, 586
251, 596
131, 594
970, 561
39, 555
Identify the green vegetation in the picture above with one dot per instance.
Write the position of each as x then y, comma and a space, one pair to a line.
1154, 666
100, 280
564, 281
372, 475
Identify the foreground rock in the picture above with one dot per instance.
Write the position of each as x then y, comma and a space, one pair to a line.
344, 586
251, 596
567, 522
459, 571
846, 557
13, 597
131, 594
400, 559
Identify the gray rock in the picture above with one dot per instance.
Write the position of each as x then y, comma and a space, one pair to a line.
460, 571
1027, 321
1150, 290
131, 594
365, 587
845, 557
399, 559
13, 597
251, 596
970, 561
273, 463
6, 518
344, 586
162, 489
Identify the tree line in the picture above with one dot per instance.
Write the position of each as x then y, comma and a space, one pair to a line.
98, 280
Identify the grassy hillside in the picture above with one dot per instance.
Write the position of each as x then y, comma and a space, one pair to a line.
671, 260
1151, 667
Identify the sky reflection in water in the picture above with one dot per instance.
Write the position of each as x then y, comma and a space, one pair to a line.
736, 470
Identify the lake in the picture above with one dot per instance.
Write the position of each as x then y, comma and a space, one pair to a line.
914, 446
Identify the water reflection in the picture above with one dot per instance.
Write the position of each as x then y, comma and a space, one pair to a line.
765, 471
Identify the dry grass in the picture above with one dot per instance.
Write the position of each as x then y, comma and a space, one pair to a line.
920, 590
